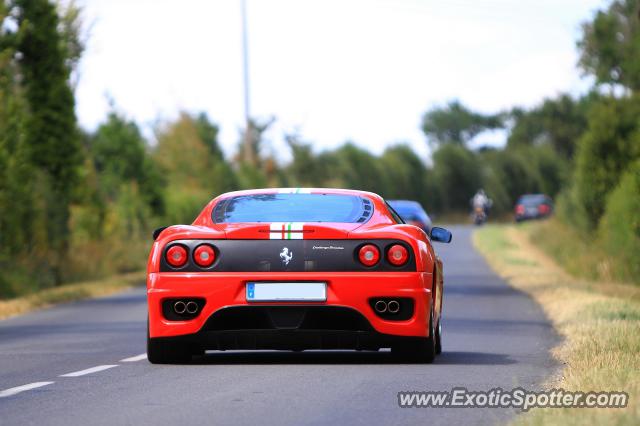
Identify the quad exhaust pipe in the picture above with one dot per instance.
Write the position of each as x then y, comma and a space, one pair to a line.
382, 306
179, 307
189, 308
192, 307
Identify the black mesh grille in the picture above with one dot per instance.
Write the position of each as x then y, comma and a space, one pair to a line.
333, 318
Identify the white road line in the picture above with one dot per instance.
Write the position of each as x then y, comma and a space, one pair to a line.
135, 358
18, 389
88, 371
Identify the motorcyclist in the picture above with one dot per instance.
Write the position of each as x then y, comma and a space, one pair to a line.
481, 204
481, 201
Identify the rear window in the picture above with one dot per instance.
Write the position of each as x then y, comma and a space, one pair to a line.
408, 211
532, 200
293, 208
404, 210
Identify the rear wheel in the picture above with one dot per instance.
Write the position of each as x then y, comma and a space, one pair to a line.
419, 350
159, 352
439, 338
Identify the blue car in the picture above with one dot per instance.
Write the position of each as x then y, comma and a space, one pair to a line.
412, 213
533, 206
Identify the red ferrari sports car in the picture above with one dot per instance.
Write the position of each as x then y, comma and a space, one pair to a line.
295, 269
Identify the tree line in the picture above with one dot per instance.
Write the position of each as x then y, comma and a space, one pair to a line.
78, 204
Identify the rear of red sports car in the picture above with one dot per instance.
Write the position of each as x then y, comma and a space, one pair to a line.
294, 269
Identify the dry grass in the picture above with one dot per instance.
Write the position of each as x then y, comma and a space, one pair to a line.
582, 256
600, 322
69, 293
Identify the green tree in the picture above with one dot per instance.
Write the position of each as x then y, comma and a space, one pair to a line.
620, 226
610, 145
518, 173
610, 45
493, 184
254, 169
50, 129
556, 122
458, 173
455, 123
305, 169
357, 168
73, 38
40, 154
252, 142
209, 132
407, 177
13, 160
119, 154
194, 169
553, 171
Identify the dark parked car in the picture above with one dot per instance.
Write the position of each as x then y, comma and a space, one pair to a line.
412, 213
533, 206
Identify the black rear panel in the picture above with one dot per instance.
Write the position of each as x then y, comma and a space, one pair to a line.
287, 318
299, 256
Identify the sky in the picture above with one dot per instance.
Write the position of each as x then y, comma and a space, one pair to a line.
328, 70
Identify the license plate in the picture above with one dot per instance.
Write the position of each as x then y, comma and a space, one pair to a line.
289, 292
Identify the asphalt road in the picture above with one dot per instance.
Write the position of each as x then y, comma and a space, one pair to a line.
494, 336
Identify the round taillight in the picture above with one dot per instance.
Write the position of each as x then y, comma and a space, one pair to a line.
204, 255
369, 255
397, 255
176, 256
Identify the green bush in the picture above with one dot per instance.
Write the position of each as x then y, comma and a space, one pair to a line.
610, 145
620, 226
122, 245
552, 170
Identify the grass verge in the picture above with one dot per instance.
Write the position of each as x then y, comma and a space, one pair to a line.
600, 323
70, 293
582, 256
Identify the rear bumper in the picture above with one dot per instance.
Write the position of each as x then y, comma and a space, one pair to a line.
346, 292
284, 340
531, 215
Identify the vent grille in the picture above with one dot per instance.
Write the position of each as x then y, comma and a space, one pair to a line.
367, 211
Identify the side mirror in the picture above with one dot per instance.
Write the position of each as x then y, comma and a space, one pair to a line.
157, 232
440, 235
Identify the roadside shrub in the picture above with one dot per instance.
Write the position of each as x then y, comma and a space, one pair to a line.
122, 241
620, 226
552, 170
610, 145
568, 210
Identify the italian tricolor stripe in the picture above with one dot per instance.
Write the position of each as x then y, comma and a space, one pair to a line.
286, 231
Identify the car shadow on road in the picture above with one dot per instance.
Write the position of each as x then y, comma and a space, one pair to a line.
474, 358
343, 357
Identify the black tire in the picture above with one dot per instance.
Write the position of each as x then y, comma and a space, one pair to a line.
159, 352
439, 338
418, 350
